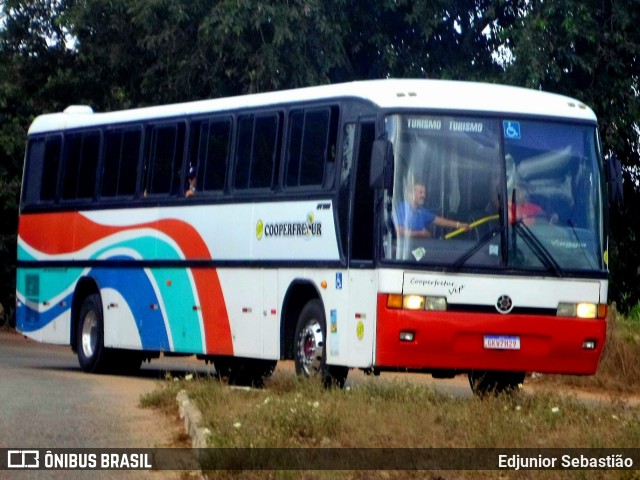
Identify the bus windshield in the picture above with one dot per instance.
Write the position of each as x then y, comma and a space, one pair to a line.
497, 193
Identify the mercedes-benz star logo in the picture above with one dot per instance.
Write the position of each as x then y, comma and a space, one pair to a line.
504, 304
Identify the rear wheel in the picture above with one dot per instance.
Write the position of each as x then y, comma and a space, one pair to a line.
490, 382
309, 350
90, 336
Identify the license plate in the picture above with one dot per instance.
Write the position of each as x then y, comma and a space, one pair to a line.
501, 342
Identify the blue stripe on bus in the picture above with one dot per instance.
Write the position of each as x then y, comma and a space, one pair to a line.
135, 287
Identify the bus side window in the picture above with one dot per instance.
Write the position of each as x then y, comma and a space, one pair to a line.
265, 151
257, 151
43, 165
243, 153
81, 154
312, 148
213, 141
33, 171
164, 161
120, 168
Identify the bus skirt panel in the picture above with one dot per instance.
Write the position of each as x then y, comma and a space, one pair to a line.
418, 339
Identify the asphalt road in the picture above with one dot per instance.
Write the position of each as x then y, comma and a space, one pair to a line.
46, 401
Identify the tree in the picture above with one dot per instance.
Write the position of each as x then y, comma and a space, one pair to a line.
161, 51
591, 50
36, 76
129, 53
439, 39
156, 51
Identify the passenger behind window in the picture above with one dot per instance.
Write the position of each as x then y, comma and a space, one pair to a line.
527, 211
191, 189
412, 219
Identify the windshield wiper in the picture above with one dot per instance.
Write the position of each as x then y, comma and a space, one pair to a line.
462, 259
539, 250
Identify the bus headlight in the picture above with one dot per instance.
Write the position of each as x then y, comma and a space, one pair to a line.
413, 302
416, 302
436, 303
582, 310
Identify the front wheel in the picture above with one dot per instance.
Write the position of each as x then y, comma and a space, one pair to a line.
90, 336
489, 382
309, 350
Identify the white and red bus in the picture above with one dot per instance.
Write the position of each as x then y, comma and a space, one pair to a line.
256, 228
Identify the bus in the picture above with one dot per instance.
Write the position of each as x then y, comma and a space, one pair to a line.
409, 225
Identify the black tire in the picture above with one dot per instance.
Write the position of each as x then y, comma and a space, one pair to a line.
309, 348
246, 372
90, 336
490, 382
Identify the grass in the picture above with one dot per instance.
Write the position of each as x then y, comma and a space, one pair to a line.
375, 413
290, 413
293, 413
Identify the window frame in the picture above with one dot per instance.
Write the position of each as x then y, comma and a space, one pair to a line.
255, 117
122, 131
148, 168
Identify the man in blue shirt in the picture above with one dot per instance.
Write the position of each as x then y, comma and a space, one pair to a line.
413, 219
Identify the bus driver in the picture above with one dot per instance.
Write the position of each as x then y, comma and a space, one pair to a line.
412, 219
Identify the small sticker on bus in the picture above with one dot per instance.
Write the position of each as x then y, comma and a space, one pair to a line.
511, 130
360, 330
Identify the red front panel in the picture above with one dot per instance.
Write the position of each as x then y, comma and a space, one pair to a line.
455, 340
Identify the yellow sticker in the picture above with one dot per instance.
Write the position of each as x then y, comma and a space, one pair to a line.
259, 229
360, 330
606, 257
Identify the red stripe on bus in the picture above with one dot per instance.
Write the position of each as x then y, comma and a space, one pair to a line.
49, 234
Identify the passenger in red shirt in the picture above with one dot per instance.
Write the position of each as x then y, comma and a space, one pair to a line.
527, 211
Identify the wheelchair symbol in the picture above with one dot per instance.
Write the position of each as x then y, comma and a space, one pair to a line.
511, 130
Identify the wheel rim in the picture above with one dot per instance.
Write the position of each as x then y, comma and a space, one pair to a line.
311, 348
89, 334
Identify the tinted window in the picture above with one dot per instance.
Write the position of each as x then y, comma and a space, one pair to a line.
213, 152
52, 154
312, 140
121, 154
43, 165
264, 152
81, 153
164, 163
243, 152
257, 151
296, 128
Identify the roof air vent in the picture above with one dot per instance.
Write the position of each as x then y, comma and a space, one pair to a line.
78, 109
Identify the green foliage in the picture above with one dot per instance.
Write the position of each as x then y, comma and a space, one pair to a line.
388, 412
591, 50
128, 53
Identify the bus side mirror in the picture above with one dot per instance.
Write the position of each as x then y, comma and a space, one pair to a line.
381, 173
614, 180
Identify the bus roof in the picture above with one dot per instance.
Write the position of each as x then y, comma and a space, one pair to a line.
400, 94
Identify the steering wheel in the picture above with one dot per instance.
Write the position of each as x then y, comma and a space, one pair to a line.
475, 224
